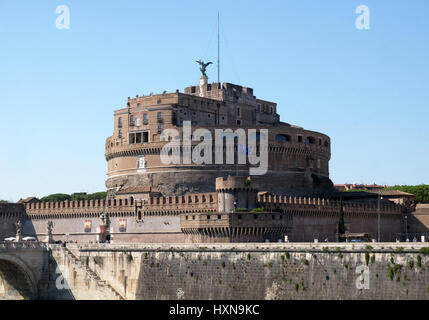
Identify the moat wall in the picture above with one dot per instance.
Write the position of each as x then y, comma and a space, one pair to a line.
261, 271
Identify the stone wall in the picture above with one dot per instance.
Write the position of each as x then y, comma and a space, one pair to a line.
262, 271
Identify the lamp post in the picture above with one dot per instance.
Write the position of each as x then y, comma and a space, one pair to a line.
406, 228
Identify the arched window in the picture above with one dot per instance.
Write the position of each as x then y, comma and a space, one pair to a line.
282, 138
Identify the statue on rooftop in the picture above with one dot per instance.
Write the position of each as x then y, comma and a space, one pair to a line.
203, 66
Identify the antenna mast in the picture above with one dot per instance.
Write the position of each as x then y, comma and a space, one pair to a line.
218, 52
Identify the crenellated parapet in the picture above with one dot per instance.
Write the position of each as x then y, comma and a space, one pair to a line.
307, 204
115, 207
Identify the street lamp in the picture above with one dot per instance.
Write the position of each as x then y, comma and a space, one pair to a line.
406, 227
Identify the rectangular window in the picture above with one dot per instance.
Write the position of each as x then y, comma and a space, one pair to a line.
300, 139
145, 121
138, 137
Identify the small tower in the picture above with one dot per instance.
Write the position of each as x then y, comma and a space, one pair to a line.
236, 192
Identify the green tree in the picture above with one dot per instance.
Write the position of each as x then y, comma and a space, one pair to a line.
421, 191
56, 197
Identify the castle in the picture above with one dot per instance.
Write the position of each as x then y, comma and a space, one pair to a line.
153, 202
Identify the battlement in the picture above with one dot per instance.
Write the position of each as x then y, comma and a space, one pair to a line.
190, 201
235, 183
273, 201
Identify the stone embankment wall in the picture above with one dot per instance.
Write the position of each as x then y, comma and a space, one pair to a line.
262, 271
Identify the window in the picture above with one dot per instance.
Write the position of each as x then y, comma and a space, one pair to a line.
193, 217
119, 122
208, 217
159, 128
138, 104
320, 142
139, 213
145, 121
238, 112
299, 139
186, 217
239, 217
219, 217
238, 122
326, 144
192, 89
159, 101
209, 87
159, 116
282, 138
131, 121
138, 137
311, 140
259, 107
120, 133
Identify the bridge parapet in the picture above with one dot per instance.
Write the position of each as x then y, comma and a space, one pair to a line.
22, 245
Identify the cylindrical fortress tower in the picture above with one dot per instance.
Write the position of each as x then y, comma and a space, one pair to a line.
297, 161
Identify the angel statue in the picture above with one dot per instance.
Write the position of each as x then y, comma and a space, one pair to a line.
203, 66
18, 226
50, 226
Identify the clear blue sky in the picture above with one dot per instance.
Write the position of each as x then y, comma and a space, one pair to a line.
367, 89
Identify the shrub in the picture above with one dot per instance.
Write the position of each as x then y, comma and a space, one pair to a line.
325, 249
368, 248
233, 266
258, 209
390, 272
287, 255
247, 181
399, 249
411, 264
249, 256
223, 264
282, 257
367, 258
397, 268
372, 259
419, 261
391, 260
296, 287
129, 257
424, 250
241, 210
305, 262
340, 255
